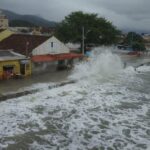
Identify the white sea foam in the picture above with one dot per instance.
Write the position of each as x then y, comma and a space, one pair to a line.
102, 64
143, 68
102, 109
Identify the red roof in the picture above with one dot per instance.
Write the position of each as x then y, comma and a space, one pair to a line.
50, 58
20, 42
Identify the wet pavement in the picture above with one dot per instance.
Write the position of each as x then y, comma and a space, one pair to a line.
13, 85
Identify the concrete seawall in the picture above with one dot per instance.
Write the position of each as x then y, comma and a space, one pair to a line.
142, 64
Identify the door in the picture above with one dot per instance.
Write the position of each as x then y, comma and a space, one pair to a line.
22, 69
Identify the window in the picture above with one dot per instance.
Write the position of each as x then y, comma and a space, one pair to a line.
52, 44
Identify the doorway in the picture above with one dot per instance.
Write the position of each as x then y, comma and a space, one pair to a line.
8, 71
22, 69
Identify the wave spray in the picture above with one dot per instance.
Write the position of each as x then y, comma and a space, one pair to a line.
103, 64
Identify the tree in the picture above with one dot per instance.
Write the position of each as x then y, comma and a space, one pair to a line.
97, 29
135, 41
138, 46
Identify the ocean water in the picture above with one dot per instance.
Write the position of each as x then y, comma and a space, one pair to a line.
107, 108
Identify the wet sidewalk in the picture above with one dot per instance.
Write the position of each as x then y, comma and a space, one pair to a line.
14, 85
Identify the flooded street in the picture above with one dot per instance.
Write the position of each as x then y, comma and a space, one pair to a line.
15, 85
108, 108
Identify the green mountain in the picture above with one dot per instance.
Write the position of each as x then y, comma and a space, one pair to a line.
21, 23
29, 20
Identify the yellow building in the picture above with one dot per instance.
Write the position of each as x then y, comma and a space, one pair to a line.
3, 21
13, 65
5, 34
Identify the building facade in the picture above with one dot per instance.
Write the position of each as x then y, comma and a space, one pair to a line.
51, 46
3, 21
13, 65
41, 49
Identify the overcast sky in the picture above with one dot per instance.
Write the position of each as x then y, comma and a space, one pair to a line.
125, 14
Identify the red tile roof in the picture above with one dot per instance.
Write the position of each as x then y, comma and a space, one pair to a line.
19, 42
49, 58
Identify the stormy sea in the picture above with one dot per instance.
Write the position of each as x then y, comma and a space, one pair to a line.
106, 108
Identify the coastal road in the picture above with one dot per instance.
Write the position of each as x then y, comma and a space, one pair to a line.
14, 85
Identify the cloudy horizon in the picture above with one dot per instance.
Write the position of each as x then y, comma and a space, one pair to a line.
130, 15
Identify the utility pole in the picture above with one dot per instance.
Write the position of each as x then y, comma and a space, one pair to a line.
27, 46
131, 39
83, 40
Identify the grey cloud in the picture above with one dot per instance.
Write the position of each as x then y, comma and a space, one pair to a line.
133, 14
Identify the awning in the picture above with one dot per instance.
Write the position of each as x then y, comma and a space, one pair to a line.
56, 57
24, 61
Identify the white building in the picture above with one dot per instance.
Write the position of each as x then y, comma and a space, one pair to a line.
41, 49
51, 46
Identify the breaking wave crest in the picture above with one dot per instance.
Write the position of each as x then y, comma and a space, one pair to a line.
101, 65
